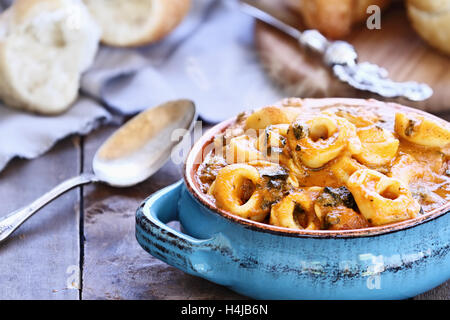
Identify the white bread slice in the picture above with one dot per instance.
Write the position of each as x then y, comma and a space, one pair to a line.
131, 23
45, 45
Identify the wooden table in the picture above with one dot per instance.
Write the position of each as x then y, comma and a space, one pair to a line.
90, 232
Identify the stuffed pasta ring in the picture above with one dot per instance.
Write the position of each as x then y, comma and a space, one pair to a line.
380, 199
295, 211
379, 146
235, 191
321, 139
242, 149
421, 130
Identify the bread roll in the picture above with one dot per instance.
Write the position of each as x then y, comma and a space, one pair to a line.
334, 18
431, 20
129, 23
44, 47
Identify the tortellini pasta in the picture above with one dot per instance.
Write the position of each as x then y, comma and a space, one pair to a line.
242, 149
272, 115
405, 169
381, 199
234, 190
423, 131
295, 211
343, 167
335, 167
379, 146
273, 139
321, 139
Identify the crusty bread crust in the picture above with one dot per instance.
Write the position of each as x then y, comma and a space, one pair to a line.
431, 20
137, 22
334, 18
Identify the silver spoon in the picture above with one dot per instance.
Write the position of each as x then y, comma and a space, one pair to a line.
131, 155
342, 58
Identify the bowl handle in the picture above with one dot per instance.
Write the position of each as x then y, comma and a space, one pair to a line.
165, 243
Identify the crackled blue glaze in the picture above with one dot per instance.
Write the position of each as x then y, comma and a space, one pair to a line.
264, 265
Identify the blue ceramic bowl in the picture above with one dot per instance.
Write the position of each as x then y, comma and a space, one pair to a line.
262, 261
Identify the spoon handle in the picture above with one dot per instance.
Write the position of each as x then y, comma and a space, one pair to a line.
14, 220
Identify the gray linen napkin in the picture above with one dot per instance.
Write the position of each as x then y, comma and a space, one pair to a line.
209, 58
28, 136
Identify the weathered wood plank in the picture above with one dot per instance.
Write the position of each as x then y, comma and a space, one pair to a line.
42, 257
441, 292
115, 266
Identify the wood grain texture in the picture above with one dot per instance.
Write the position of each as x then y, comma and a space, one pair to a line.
115, 266
34, 262
38, 261
441, 292
395, 47
41, 257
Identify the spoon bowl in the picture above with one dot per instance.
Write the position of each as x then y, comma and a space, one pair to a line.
143, 144
131, 155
